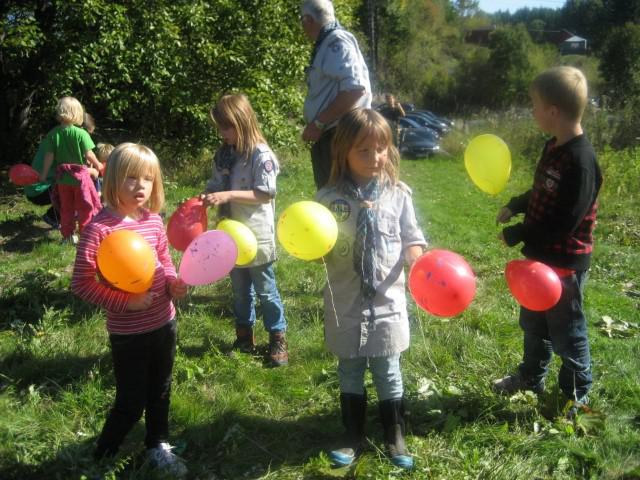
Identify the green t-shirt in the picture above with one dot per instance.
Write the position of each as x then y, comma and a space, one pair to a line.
68, 145
37, 188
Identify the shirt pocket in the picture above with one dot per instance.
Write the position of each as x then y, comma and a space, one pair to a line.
390, 245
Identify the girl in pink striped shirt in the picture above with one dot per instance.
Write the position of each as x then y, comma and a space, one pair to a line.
142, 326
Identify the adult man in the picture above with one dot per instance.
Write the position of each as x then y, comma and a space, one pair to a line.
337, 79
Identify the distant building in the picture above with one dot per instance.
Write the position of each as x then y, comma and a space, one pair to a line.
574, 45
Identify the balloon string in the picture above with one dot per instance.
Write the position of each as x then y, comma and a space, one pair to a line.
333, 305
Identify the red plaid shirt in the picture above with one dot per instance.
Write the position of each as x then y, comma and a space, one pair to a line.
560, 209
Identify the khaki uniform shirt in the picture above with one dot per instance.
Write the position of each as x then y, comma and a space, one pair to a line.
258, 172
349, 333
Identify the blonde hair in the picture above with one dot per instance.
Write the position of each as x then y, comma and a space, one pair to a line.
132, 159
565, 88
354, 127
236, 111
69, 109
103, 150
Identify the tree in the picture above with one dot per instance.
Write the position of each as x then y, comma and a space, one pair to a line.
620, 62
151, 73
510, 67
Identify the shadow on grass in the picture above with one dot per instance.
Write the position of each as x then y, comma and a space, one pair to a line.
234, 446
35, 293
51, 375
22, 235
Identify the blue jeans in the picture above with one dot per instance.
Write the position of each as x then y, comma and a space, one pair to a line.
563, 330
385, 371
260, 281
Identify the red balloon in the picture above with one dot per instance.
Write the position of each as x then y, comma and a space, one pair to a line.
23, 175
187, 222
442, 283
533, 284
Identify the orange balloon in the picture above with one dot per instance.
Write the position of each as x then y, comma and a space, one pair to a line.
127, 261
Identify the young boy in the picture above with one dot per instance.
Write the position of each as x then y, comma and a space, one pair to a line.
559, 217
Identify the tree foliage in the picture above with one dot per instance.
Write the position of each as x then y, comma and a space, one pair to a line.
150, 72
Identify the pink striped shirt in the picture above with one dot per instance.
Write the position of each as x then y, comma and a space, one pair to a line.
88, 283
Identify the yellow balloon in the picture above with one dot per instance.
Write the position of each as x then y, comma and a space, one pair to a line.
488, 163
243, 237
127, 261
307, 230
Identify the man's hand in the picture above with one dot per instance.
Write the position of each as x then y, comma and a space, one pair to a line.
311, 133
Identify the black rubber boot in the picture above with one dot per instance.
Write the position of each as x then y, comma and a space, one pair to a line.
354, 412
392, 416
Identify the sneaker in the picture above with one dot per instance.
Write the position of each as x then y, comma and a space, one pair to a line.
162, 458
51, 221
515, 383
245, 340
70, 240
278, 354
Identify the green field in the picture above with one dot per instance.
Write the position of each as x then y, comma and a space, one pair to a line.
232, 417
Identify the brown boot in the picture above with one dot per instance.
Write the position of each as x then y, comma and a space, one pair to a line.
278, 354
245, 340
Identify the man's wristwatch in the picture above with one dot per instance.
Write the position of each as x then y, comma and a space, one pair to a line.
320, 125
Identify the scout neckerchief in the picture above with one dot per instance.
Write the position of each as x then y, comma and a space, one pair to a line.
324, 33
364, 246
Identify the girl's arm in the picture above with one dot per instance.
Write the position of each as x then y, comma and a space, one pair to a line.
46, 166
92, 160
249, 197
412, 253
176, 288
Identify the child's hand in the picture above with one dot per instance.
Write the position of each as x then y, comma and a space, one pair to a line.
177, 288
216, 198
412, 254
140, 301
504, 215
93, 172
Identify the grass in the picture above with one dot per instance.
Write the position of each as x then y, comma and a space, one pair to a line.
231, 417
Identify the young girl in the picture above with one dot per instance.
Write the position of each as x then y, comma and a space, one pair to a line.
366, 322
69, 149
243, 184
142, 327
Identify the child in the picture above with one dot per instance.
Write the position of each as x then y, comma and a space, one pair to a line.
69, 149
243, 184
103, 150
560, 214
365, 312
142, 327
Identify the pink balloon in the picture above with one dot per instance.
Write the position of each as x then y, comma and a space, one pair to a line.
534, 285
442, 283
208, 258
